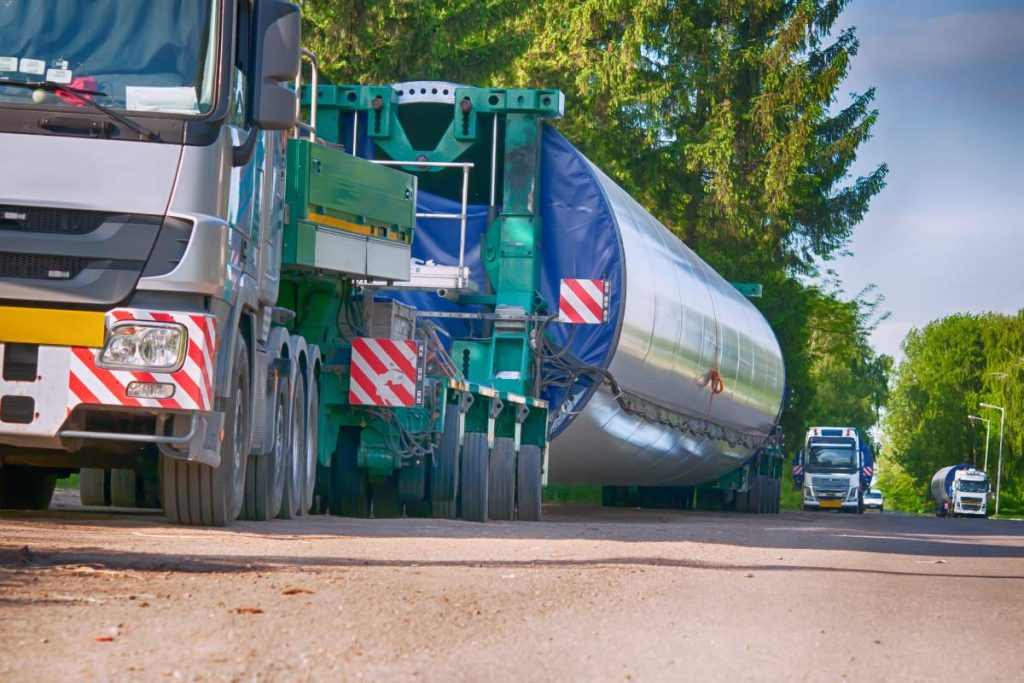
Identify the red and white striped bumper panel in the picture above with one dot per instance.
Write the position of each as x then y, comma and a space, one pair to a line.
69, 376
193, 383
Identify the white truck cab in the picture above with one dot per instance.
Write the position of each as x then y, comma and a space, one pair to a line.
834, 469
960, 490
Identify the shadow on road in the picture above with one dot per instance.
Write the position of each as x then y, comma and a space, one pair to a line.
111, 562
889, 534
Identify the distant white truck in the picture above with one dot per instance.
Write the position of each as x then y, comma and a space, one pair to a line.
834, 469
960, 490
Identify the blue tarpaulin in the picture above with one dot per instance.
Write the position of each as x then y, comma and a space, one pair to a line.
579, 239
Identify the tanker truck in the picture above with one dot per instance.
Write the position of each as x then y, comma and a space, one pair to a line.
834, 469
410, 299
960, 490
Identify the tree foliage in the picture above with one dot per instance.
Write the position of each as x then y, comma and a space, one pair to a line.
950, 366
722, 116
389, 41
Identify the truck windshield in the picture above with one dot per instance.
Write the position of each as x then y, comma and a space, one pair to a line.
832, 457
143, 55
973, 486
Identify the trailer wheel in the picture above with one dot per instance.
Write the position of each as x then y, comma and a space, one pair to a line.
266, 473
473, 481
412, 482
501, 480
94, 486
386, 502
122, 488
528, 484
421, 509
295, 466
742, 501
312, 445
444, 480
349, 494
444, 469
26, 488
754, 496
198, 494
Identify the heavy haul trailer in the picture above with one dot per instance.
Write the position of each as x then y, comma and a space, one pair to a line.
665, 383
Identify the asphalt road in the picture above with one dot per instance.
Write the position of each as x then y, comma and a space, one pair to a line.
588, 594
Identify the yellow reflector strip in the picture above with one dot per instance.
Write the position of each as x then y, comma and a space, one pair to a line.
368, 230
51, 327
332, 222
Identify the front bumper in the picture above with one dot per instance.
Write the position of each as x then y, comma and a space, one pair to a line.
36, 406
971, 511
829, 499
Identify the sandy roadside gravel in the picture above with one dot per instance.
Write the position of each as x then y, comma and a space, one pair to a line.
589, 594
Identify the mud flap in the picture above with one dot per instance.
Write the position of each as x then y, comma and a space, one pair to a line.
204, 446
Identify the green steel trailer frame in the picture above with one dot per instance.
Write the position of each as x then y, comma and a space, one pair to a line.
475, 448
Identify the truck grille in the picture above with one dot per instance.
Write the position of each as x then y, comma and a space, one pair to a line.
31, 266
52, 221
830, 487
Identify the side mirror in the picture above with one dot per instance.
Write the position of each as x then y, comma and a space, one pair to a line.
799, 457
277, 40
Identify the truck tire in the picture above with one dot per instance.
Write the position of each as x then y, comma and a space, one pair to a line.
412, 481
473, 477
312, 444
26, 488
444, 469
266, 473
528, 483
386, 502
212, 496
422, 509
295, 467
501, 480
754, 496
122, 488
94, 486
349, 494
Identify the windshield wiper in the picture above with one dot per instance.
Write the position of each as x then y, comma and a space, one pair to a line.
85, 96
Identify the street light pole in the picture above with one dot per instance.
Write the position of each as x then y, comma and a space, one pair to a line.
988, 430
999, 467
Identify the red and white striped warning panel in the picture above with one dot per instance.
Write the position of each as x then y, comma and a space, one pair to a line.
386, 372
583, 302
192, 383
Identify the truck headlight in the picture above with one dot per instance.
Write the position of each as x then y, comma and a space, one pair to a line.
808, 494
150, 346
852, 495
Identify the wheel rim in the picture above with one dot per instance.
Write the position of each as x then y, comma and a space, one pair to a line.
237, 464
297, 452
312, 441
280, 455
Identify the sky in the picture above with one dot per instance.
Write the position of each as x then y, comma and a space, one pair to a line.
946, 235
